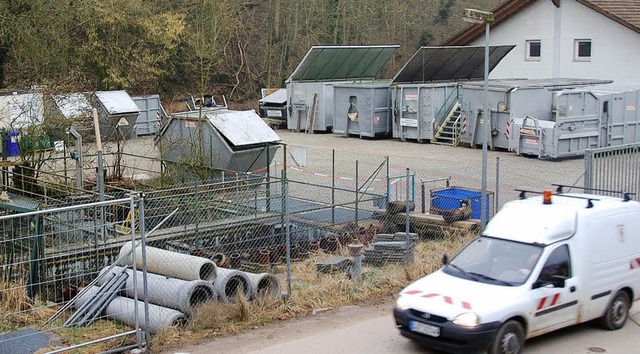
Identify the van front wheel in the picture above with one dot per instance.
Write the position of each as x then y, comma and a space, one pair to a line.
617, 312
509, 340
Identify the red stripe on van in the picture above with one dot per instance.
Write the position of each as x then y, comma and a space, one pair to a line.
430, 295
541, 304
448, 300
555, 299
466, 305
413, 292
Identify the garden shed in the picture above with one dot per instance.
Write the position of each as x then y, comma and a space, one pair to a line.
218, 138
117, 114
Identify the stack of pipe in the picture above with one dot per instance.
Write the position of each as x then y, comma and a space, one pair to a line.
171, 264
229, 282
178, 294
123, 309
264, 285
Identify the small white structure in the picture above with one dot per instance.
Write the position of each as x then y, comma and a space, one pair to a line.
19, 110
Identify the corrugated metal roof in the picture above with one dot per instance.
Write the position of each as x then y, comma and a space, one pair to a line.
73, 105
279, 96
117, 102
334, 63
449, 63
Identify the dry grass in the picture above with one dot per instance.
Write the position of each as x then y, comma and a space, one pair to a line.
17, 310
310, 292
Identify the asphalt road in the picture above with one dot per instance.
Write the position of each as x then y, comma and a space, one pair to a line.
371, 330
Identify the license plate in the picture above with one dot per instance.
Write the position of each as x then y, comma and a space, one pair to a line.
424, 328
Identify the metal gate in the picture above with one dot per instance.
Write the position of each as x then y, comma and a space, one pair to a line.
46, 256
614, 168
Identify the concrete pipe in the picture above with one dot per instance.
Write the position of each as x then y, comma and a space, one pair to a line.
264, 285
228, 282
123, 309
178, 294
172, 264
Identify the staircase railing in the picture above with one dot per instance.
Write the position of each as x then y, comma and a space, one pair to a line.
447, 107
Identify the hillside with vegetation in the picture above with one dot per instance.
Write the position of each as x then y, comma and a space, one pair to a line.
178, 47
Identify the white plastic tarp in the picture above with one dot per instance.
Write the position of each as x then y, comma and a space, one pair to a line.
18, 111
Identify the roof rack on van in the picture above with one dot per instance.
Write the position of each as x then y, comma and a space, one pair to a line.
626, 196
523, 195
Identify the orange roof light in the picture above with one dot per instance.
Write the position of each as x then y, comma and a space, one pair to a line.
546, 196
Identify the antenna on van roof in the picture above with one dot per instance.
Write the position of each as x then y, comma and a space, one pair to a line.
626, 196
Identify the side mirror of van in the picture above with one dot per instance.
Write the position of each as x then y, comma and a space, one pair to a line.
445, 259
556, 281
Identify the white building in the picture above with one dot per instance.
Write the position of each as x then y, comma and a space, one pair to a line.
596, 39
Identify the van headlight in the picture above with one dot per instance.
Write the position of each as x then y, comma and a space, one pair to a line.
467, 319
402, 303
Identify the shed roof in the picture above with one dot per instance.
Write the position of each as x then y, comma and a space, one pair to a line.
335, 63
625, 12
73, 105
279, 96
117, 102
238, 127
450, 63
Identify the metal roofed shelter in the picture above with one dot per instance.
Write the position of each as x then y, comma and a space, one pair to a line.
586, 117
455, 63
310, 86
426, 97
224, 139
274, 106
117, 114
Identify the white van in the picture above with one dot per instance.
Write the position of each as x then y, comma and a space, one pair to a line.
541, 264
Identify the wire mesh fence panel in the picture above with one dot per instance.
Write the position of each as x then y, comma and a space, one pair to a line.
613, 170
47, 257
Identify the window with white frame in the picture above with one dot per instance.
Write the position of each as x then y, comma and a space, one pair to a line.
534, 49
582, 50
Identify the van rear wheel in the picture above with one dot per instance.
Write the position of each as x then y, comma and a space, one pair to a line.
509, 340
617, 312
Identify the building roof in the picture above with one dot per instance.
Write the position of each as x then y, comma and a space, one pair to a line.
335, 63
625, 12
452, 63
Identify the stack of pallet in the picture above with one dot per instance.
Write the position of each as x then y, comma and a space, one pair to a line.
390, 248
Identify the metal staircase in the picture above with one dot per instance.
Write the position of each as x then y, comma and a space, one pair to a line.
448, 131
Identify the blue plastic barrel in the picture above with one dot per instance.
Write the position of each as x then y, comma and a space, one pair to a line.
12, 143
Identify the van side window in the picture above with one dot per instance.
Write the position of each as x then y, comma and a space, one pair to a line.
558, 263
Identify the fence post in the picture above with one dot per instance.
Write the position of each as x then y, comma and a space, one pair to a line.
407, 224
143, 249
356, 206
588, 168
333, 186
288, 235
496, 205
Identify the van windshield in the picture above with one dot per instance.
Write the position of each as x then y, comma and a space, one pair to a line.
495, 261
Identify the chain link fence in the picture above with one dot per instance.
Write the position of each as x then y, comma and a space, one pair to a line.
240, 235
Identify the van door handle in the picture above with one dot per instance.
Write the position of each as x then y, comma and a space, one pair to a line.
572, 289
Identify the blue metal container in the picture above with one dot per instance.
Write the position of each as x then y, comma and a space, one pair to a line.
12, 143
456, 197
